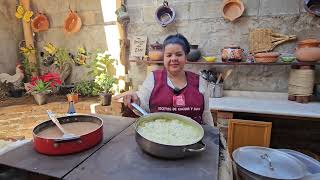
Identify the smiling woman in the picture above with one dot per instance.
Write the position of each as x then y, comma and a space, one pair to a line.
173, 89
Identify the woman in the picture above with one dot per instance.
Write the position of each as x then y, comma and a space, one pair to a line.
173, 89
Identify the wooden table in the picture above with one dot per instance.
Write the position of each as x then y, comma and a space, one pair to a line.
118, 157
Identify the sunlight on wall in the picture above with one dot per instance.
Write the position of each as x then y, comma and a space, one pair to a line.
113, 36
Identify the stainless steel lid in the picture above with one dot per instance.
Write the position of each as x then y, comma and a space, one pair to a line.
269, 162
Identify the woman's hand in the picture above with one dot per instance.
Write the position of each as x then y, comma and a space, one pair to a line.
128, 98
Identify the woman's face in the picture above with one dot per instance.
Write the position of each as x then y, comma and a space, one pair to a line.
174, 58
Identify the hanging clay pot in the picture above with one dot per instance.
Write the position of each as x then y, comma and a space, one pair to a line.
122, 15
72, 23
165, 14
40, 23
232, 9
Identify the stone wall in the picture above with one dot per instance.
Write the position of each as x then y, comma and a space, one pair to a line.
10, 35
202, 23
91, 36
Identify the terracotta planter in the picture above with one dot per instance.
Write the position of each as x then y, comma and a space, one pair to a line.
73, 97
40, 98
268, 57
105, 99
194, 54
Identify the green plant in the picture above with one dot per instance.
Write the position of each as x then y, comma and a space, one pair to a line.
73, 91
61, 57
44, 83
87, 88
102, 63
105, 82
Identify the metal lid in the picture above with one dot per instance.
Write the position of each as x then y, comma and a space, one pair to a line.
269, 162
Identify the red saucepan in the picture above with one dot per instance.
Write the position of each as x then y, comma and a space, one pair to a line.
88, 130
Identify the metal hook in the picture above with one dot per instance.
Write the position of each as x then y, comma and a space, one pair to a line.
165, 3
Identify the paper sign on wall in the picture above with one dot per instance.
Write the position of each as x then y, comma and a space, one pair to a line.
138, 48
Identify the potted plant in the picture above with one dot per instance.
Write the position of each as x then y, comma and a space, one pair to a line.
73, 96
42, 85
106, 83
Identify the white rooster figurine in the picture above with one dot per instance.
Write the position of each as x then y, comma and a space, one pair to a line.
15, 79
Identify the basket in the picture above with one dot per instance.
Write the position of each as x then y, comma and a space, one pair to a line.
263, 40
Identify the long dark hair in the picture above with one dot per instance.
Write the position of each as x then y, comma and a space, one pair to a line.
178, 39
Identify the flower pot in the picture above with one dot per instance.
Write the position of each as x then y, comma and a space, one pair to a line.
40, 98
105, 99
73, 97
194, 54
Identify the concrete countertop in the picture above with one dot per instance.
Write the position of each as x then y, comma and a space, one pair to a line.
275, 106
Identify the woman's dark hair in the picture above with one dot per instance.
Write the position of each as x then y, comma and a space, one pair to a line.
178, 39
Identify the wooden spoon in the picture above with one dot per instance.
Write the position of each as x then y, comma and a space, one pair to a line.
227, 74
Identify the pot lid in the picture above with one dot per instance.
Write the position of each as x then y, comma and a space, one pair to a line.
269, 162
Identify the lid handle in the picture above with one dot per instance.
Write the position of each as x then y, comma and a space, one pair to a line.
267, 157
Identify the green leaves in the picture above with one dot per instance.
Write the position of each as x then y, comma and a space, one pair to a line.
105, 82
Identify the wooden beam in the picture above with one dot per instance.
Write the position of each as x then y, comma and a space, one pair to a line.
28, 37
124, 43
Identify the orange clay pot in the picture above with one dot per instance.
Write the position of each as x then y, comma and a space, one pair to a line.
40, 23
72, 23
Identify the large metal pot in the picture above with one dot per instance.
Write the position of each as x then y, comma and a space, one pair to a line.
260, 163
54, 146
168, 151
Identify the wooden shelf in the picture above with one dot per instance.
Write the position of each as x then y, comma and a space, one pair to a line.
232, 63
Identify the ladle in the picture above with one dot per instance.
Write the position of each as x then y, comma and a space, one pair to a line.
66, 135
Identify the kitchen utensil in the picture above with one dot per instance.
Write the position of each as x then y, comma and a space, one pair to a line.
313, 166
264, 40
216, 90
72, 23
40, 23
66, 135
155, 52
163, 150
268, 57
210, 58
232, 9
232, 53
226, 74
219, 78
312, 6
165, 14
263, 163
60, 146
194, 54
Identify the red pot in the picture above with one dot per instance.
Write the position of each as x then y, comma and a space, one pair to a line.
60, 146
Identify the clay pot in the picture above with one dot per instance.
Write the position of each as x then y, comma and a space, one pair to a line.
72, 23
268, 57
73, 97
308, 54
308, 43
40, 23
194, 54
308, 50
232, 53
156, 52
232, 9
122, 15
